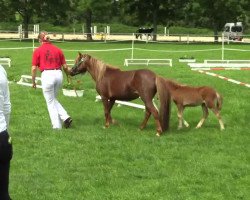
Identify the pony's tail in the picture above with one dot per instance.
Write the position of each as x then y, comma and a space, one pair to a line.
165, 101
219, 101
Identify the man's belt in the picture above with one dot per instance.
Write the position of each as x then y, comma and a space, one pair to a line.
51, 69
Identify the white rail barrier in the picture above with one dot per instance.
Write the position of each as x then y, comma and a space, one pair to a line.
135, 105
147, 62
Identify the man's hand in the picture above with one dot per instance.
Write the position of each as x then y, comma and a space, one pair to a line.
33, 74
66, 69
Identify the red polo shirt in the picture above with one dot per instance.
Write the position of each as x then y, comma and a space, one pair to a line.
48, 56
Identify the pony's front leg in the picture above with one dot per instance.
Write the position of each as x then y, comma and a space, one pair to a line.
106, 105
145, 121
217, 114
110, 106
180, 116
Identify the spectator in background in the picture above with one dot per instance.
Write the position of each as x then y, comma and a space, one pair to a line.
5, 139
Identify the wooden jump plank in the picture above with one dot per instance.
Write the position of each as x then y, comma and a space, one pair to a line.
135, 105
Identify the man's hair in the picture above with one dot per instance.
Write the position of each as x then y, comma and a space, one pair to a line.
43, 36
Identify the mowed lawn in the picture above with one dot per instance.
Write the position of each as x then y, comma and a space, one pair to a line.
88, 162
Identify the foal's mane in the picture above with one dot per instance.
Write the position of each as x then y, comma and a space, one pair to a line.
173, 85
99, 68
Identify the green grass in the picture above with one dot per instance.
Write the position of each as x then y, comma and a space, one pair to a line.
122, 162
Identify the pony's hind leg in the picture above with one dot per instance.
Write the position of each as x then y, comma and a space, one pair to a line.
107, 111
145, 121
205, 115
217, 114
151, 109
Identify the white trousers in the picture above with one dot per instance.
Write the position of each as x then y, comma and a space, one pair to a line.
51, 83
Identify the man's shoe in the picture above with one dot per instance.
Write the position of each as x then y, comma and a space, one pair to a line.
68, 122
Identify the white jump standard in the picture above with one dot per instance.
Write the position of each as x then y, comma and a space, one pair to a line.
221, 65
5, 61
134, 61
26, 80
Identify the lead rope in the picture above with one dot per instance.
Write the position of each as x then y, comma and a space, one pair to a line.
69, 79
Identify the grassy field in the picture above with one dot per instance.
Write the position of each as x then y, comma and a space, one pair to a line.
122, 162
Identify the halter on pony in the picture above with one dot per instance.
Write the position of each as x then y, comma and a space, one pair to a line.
74, 69
77, 64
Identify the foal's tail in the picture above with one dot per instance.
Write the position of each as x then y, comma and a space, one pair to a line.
165, 100
219, 101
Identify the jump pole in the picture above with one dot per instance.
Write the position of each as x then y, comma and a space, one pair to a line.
132, 51
222, 46
33, 43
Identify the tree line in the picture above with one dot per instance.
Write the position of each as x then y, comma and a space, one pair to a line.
212, 14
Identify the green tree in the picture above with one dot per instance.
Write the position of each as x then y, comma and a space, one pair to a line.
26, 9
57, 12
153, 12
93, 11
43, 9
6, 14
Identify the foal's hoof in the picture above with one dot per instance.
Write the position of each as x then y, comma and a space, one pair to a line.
114, 122
158, 134
106, 126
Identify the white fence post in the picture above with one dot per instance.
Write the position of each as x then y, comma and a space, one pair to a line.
36, 29
33, 43
20, 31
95, 30
108, 30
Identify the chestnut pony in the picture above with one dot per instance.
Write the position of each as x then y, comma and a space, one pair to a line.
187, 96
113, 84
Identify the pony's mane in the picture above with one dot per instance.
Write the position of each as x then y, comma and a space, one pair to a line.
112, 67
100, 67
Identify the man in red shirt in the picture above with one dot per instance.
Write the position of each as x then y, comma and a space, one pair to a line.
50, 59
